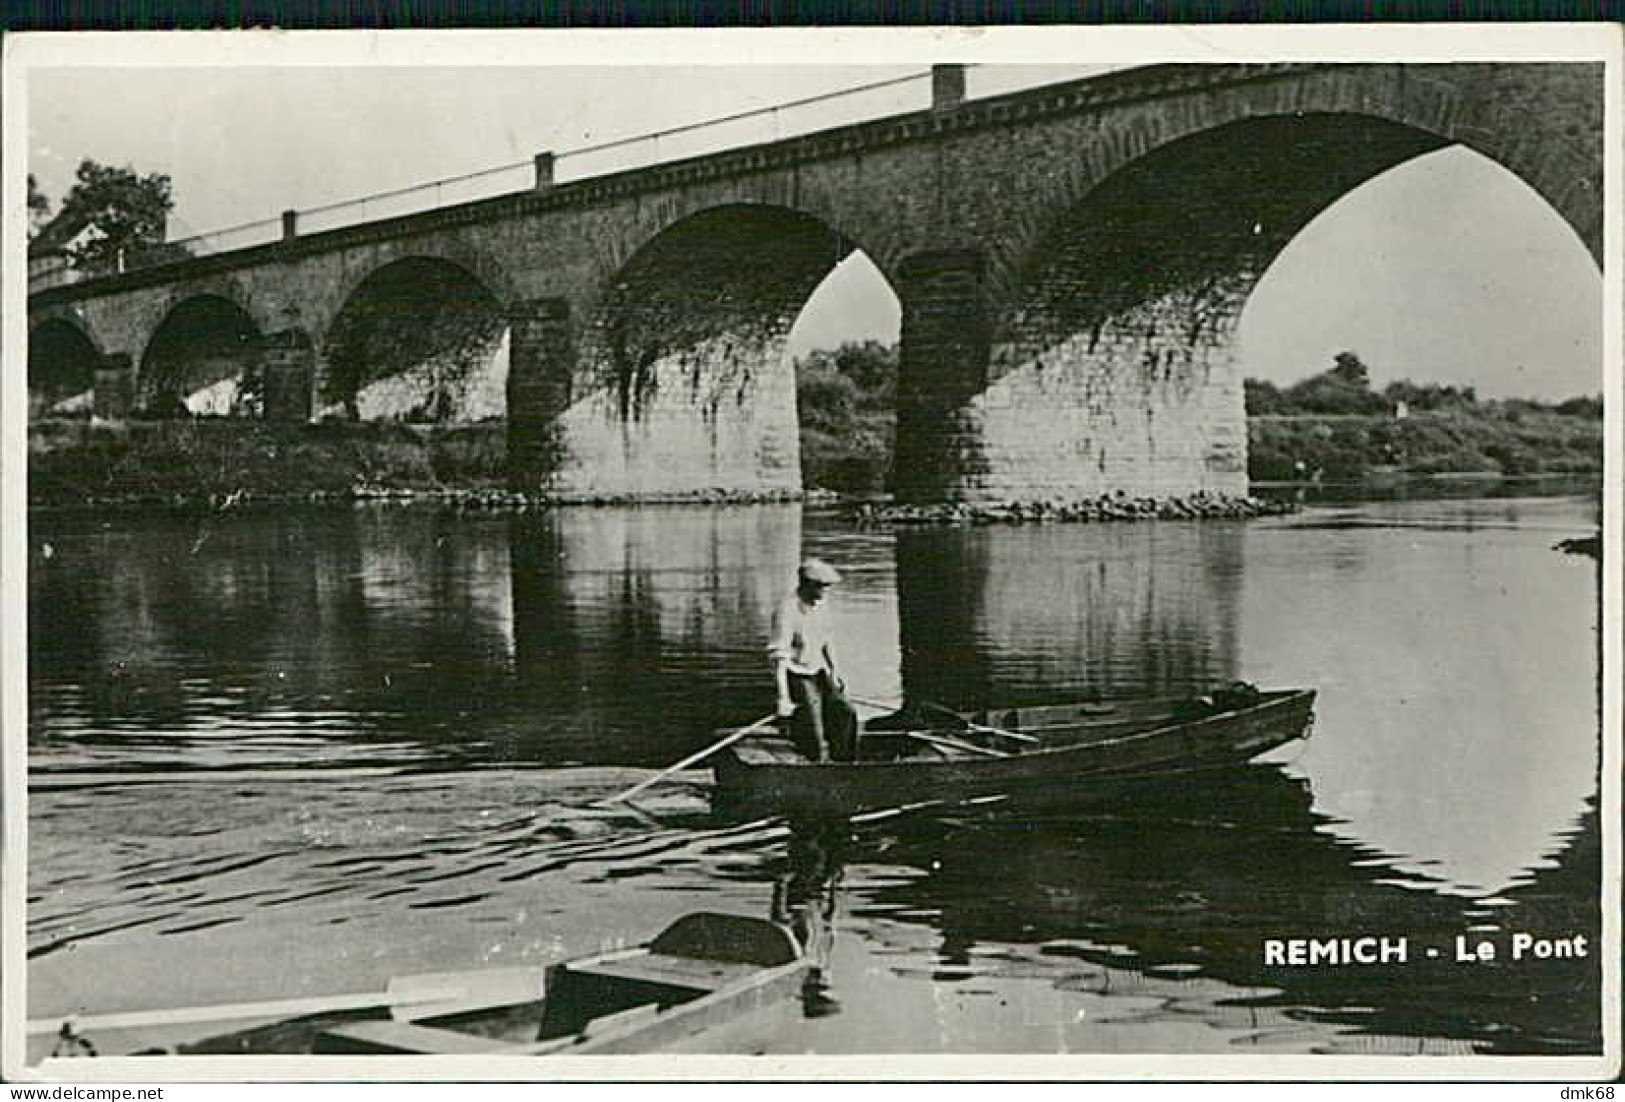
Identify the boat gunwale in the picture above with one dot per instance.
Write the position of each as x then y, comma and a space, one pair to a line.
764, 977
1282, 698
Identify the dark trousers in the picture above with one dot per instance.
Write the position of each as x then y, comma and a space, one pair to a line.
824, 726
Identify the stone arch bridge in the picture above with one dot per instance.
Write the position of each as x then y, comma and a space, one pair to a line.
1071, 262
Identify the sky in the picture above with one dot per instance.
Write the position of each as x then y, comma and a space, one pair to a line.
1447, 269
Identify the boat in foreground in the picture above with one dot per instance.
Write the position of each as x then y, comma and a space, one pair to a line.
708, 983
1076, 749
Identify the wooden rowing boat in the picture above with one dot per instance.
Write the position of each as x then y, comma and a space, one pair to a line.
702, 974
1084, 746
710, 983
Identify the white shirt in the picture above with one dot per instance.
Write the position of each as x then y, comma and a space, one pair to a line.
800, 635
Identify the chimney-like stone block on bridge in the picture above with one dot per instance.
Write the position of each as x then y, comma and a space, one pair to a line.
947, 86
115, 388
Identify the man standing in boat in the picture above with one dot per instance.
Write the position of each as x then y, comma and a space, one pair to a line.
811, 694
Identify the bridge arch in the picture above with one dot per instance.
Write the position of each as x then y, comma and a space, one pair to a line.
720, 286
63, 358
848, 213
684, 364
419, 338
203, 358
328, 300
1117, 315
1545, 128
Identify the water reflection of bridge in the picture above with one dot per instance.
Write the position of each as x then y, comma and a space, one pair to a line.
1170, 897
998, 614
603, 634
672, 605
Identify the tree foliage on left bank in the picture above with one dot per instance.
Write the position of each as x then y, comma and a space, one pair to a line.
110, 216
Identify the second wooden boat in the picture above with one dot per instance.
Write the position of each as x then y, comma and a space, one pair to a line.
710, 983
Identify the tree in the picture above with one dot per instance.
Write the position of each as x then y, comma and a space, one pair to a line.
844, 398
1590, 408
1261, 397
39, 207
126, 213
1343, 389
1431, 396
872, 366
1347, 368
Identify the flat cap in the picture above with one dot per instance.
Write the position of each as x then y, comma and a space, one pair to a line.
817, 570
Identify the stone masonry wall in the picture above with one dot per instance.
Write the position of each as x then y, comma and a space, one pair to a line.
716, 418
1137, 407
463, 380
684, 385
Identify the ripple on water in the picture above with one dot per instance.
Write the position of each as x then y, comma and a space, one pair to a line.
239, 749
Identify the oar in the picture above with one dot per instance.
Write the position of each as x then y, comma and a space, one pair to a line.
882, 705
959, 720
938, 709
408, 998
728, 740
938, 740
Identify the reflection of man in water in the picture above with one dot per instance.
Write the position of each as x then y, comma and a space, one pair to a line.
804, 900
811, 695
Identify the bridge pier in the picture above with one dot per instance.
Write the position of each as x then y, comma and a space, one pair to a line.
287, 370
1040, 402
711, 419
115, 387
942, 365
1145, 400
540, 362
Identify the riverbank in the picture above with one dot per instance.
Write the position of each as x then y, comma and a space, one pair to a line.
215, 463
218, 463
1507, 439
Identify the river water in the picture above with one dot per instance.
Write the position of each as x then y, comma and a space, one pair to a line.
295, 752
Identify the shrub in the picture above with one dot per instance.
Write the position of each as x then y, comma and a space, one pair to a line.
845, 401
1588, 408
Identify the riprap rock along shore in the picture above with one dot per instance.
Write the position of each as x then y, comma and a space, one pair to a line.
1109, 507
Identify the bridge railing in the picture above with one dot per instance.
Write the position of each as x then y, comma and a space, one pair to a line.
225, 240
895, 96
484, 184
775, 122
879, 99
